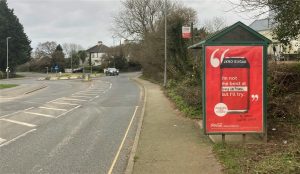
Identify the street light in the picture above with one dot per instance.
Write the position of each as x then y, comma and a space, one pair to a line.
7, 69
165, 68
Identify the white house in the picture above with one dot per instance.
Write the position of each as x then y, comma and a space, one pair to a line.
96, 54
264, 27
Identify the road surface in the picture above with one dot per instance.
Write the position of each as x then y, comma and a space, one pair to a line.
70, 126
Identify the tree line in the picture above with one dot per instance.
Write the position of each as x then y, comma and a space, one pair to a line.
19, 48
143, 21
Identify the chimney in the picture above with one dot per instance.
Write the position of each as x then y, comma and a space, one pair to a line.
99, 43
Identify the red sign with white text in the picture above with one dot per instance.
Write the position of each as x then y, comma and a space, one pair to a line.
234, 89
186, 32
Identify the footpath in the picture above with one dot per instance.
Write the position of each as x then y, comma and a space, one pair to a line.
170, 143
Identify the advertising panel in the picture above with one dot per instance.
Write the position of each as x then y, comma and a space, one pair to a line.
234, 89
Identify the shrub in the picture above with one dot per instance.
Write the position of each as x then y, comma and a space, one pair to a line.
284, 91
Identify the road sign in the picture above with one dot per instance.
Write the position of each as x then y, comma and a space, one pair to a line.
186, 32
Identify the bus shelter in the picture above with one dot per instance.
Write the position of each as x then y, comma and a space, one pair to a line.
234, 81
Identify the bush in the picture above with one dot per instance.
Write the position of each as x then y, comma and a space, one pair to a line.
284, 92
98, 69
187, 95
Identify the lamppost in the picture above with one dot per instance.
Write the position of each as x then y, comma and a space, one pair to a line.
7, 69
165, 68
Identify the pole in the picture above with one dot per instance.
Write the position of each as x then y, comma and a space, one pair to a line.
7, 70
72, 63
165, 68
192, 32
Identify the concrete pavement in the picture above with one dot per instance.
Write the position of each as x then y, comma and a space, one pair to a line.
170, 143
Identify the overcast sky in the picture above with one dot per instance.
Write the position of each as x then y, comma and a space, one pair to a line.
85, 22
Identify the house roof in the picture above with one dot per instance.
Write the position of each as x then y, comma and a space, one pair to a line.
262, 24
99, 48
236, 34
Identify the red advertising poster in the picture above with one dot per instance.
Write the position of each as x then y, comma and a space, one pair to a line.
234, 89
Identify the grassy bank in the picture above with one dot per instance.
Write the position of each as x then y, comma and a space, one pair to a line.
186, 94
3, 86
282, 152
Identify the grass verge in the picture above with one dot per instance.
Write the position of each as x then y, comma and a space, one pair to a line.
280, 155
3, 86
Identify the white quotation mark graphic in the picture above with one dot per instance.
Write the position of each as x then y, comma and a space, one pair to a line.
214, 61
254, 97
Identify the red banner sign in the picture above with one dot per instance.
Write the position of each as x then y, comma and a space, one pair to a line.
234, 89
186, 32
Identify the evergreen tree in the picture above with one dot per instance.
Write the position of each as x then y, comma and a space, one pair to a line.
58, 58
19, 44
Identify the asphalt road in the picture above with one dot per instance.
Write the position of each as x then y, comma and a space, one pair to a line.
70, 126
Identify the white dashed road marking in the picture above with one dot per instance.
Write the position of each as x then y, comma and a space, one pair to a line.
2, 140
81, 96
68, 111
74, 99
14, 139
85, 94
16, 112
88, 92
56, 109
18, 122
62, 103
39, 114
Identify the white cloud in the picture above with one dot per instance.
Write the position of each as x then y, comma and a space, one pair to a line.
85, 22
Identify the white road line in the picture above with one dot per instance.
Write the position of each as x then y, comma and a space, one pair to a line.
56, 109
85, 94
122, 143
94, 98
39, 114
68, 111
18, 122
62, 103
15, 112
74, 99
81, 96
14, 139
88, 92
53, 100
28, 108
96, 90
2, 140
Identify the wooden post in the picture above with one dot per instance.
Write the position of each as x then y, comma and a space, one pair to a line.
223, 138
244, 139
265, 137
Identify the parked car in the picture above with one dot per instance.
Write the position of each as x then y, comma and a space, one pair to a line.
77, 70
111, 71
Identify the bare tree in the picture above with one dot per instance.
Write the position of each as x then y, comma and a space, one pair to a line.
45, 49
71, 48
138, 17
215, 24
